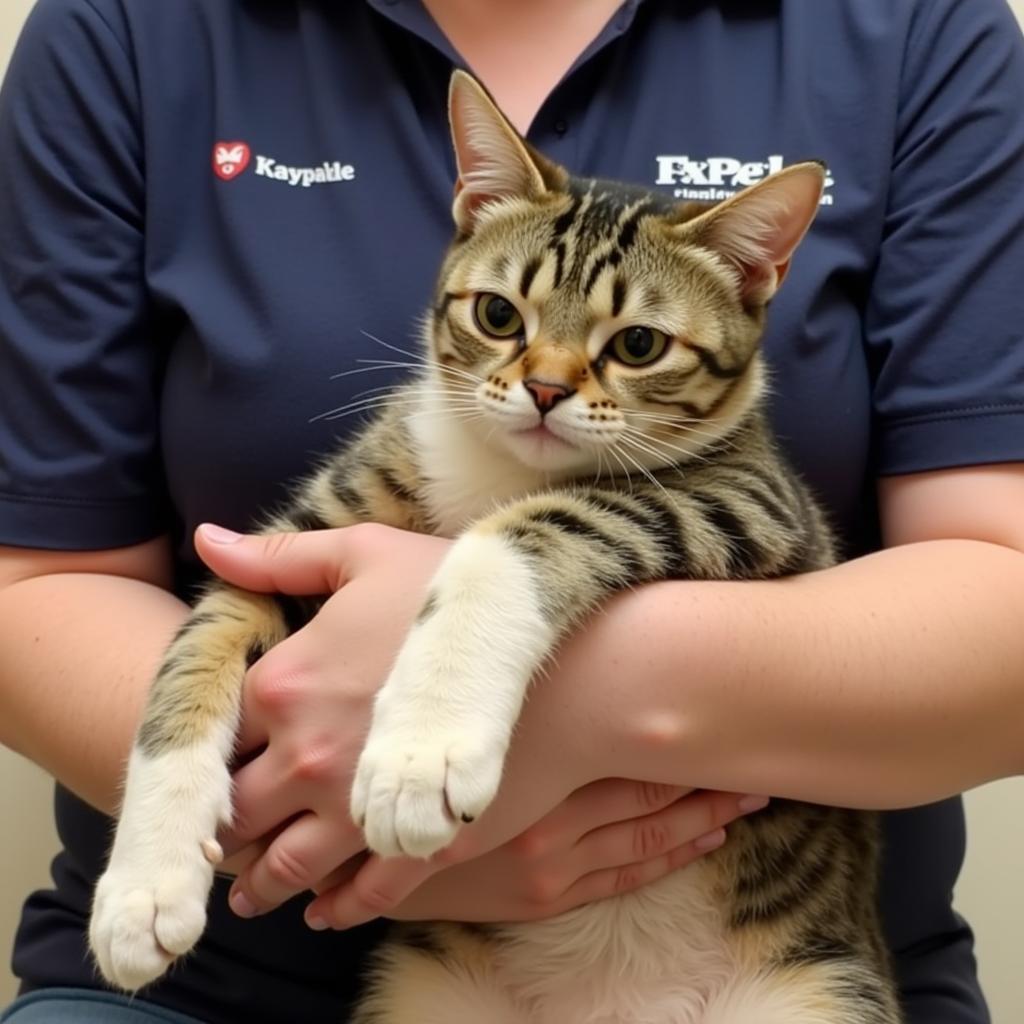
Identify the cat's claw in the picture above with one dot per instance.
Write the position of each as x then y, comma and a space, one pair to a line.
412, 793
212, 851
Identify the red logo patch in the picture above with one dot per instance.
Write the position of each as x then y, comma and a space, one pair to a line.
230, 159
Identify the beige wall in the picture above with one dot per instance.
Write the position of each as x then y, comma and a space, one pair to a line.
24, 790
991, 893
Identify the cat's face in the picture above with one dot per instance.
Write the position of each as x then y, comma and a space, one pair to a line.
595, 326
600, 336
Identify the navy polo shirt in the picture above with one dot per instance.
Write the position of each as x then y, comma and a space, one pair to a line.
208, 210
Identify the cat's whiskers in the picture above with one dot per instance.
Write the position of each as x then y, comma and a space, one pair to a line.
456, 381
378, 364
687, 428
386, 400
640, 437
456, 391
643, 469
640, 444
670, 467
677, 424
453, 372
420, 358
396, 389
611, 450
671, 418
375, 401
461, 417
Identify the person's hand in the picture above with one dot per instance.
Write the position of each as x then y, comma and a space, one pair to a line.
307, 702
537, 850
608, 838
307, 706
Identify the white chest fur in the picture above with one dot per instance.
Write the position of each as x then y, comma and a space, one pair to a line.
464, 476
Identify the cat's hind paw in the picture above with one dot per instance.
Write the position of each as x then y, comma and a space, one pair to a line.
141, 922
412, 793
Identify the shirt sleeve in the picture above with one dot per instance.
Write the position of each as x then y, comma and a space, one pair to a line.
945, 317
79, 455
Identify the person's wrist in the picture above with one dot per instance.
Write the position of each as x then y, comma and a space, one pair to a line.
586, 705
623, 718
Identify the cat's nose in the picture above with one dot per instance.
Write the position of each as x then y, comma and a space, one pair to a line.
546, 396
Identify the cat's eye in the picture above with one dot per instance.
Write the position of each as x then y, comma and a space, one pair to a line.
637, 346
497, 316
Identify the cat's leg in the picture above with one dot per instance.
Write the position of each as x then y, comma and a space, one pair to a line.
831, 992
150, 904
444, 718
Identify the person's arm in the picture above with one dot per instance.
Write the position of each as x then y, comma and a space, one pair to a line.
81, 635
892, 680
889, 681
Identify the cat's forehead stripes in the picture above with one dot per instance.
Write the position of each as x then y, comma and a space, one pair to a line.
597, 228
529, 273
587, 239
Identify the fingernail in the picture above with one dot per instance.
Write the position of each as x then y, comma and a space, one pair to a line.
241, 905
218, 535
318, 924
749, 804
712, 841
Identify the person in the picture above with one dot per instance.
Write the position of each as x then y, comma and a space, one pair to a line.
211, 213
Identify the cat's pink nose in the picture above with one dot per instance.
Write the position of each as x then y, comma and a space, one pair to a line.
546, 396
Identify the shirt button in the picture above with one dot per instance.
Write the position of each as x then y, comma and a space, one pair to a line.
561, 126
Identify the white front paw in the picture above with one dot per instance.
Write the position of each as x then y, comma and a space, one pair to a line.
416, 785
147, 912
150, 903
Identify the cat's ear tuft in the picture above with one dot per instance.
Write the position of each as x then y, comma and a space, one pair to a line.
493, 160
758, 230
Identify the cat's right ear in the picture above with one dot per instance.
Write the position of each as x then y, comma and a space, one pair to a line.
493, 161
757, 230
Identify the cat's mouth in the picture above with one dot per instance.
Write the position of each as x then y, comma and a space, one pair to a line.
541, 434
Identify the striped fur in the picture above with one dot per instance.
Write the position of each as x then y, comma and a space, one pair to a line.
568, 469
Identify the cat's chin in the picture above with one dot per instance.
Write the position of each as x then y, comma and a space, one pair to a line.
541, 449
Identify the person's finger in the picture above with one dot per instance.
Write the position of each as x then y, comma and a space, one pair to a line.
610, 800
311, 562
375, 890
654, 835
590, 807
275, 691
261, 801
253, 734
304, 853
603, 884
343, 874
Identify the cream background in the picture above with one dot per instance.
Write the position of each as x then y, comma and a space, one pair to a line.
991, 892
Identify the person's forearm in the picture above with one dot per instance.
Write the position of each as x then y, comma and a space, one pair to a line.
889, 681
77, 652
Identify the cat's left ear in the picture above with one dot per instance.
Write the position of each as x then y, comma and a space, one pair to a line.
493, 161
757, 231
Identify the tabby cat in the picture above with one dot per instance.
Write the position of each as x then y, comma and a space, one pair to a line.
608, 338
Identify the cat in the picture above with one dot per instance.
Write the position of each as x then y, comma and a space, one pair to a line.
609, 338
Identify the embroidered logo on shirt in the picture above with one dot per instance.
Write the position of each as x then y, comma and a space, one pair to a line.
230, 159
323, 174
720, 177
